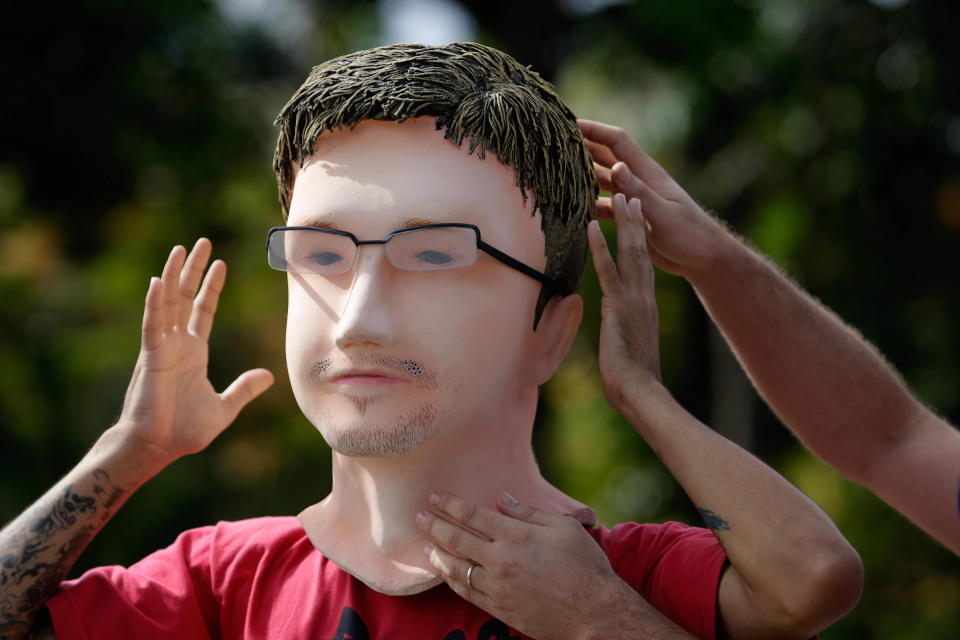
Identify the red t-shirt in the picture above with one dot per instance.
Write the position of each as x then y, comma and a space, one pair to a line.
263, 578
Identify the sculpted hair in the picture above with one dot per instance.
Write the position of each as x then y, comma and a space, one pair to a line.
477, 94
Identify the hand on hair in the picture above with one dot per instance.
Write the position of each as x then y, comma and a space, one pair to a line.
629, 326
539, 572
170, 408
682, 237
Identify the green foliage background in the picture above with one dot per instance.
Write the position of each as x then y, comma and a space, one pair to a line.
826, 131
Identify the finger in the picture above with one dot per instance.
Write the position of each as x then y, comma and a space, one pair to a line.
171, 278
602, 261
453, 570
604, 209
600, 153
586, 516
452, 538
509, 506
152, 329
624, 235
656, 209
641, 273
630, 256
245, 388
190, 279
623, 147
624, 181
475, 517
604, 179
205, 305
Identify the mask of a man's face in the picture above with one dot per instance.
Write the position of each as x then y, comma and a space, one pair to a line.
382, 360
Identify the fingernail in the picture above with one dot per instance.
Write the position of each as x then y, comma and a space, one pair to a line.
508, 500
422, 519
434, 498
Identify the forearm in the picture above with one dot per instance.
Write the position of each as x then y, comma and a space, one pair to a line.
833, 389
795, 566
625, 614
828, 385
39, 547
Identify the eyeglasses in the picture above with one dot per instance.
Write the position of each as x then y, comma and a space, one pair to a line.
430, 247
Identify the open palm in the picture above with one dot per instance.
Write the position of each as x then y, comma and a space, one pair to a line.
170, 406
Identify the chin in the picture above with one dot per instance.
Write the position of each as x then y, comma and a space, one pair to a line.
369, 438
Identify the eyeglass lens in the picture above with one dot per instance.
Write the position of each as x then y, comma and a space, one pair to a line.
321, 252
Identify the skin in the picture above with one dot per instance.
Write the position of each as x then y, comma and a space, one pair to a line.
170, 410
791, 573
827, 384
481, 393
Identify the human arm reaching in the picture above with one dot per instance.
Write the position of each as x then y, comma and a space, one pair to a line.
826, 383
791, 572
170, 410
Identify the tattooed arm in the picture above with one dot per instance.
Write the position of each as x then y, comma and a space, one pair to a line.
170, 410
38, 548
791, 572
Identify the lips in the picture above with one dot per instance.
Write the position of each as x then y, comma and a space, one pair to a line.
366, 377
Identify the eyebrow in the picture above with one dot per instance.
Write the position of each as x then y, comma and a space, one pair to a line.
323, 224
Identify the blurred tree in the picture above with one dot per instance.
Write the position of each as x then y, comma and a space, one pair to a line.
826, 131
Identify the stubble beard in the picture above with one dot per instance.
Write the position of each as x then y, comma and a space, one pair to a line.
361, 439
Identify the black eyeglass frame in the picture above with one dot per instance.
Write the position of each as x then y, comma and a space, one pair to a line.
481, 245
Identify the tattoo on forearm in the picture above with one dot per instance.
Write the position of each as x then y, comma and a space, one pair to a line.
714, 521
38, 549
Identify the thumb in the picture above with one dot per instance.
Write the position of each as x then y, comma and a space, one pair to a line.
508, 506
244, 389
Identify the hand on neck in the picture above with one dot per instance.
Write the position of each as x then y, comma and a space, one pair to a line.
367, 524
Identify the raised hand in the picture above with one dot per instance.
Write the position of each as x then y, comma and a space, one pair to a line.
170, 407
683, 238
629, 338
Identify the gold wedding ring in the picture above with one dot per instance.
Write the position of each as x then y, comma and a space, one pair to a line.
470, 574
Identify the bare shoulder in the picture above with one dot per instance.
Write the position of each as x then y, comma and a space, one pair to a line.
42, 628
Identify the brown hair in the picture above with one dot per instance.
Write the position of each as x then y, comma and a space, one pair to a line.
476, 93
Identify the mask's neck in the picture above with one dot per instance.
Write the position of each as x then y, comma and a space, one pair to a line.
367, 524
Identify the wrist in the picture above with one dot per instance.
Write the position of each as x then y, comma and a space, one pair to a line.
610, 603
129, 460
643, 399
724, 249
619, 611
653, 412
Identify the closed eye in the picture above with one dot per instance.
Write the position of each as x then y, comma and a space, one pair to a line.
325, 258
434, 257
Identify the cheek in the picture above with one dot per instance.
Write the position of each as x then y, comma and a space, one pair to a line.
310, 323
488, 332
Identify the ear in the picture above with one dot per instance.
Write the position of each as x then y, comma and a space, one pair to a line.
554, 335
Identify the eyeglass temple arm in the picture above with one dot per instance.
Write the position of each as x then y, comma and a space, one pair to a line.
519, 266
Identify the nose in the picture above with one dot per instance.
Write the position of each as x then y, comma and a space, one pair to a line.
366, 318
